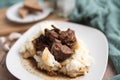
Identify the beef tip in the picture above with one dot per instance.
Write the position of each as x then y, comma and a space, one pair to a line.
60, 52
66, 50
56, 29
59, 43
40, 43
51, 35
68, 37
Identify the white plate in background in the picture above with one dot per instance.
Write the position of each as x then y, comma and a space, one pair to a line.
12, 13
95, 41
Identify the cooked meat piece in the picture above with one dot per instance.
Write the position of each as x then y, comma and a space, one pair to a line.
51, 35
40, 43
60, 52
56, 29
68, 37
59, 43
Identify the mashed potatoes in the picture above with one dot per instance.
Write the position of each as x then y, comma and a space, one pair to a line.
77, 64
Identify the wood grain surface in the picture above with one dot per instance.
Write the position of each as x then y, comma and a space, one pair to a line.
7, 27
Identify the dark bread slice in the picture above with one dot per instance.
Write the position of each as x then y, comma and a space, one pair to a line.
32, 5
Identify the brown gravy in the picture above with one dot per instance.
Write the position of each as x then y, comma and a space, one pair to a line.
30, 65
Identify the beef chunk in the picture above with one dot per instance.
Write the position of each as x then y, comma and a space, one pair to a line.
56, 29
60, 52
51, 35
40, 43
68, 37
59, 43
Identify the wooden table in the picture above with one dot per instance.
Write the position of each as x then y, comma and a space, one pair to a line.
7, 27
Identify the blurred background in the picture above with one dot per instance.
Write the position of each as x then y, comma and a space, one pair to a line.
7, 3
62, 7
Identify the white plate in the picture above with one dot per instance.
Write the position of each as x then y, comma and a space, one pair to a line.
12, 13
94, 40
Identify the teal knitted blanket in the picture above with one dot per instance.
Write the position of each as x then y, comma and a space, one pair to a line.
105, 16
